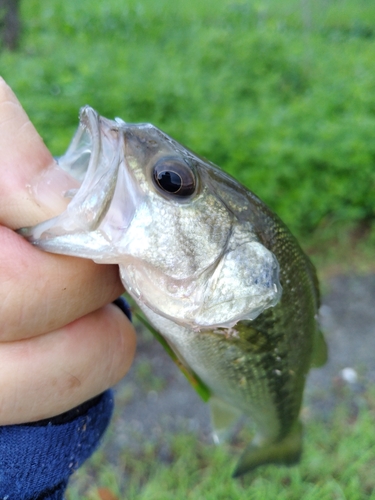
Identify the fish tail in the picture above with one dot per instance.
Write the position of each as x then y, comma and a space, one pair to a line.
287, 451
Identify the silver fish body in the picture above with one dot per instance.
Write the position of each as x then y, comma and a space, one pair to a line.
212, 268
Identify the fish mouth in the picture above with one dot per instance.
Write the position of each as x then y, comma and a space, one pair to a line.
83, 150
96, 159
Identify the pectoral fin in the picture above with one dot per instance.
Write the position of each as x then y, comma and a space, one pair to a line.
223, 417
201, 388
284, 452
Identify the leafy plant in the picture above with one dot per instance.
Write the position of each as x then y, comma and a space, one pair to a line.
278, 94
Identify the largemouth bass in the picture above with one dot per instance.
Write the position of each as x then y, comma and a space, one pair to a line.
213, 269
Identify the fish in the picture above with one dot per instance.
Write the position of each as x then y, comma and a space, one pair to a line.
218, 277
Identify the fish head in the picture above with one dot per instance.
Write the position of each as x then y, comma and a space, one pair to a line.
160, 212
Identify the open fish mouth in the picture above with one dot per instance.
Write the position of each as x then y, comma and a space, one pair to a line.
96, 159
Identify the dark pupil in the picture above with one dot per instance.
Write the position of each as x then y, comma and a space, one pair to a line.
173, 176
170, 181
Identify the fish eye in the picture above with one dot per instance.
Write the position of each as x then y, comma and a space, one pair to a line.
173, 176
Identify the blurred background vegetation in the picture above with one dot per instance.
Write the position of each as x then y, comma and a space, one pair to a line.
281, 94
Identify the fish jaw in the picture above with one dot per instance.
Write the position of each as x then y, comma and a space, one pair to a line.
87, 228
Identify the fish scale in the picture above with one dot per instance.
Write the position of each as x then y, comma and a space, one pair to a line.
220, 279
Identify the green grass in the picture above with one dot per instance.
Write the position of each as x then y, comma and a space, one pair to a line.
338, 463
280, 94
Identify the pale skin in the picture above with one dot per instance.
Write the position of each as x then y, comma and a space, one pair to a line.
61, 341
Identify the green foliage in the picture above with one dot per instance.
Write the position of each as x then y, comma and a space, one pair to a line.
279, 94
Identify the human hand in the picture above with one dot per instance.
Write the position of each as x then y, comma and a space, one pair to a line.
61, 341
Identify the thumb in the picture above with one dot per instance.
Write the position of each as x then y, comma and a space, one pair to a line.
32, 185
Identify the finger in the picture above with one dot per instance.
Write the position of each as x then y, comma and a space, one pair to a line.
41, 292
61, 286
60, 370
24, 159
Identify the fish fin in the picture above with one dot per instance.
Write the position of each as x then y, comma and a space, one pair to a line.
201, 388
320, 351
287, 451
223, 418
314, 276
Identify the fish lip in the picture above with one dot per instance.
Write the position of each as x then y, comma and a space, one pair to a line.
98, 140
89, 119
90, 122
88, 126
98, 172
